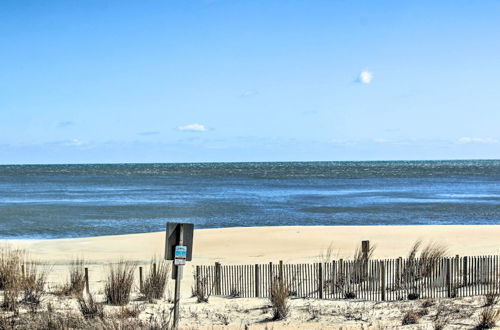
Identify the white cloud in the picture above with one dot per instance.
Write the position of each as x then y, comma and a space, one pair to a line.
365, 77
74, 143
467, 139
192, 128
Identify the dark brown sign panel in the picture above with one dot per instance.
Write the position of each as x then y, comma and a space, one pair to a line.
173, 236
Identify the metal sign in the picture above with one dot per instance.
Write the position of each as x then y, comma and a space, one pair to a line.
179, 248
173, 236
180, 255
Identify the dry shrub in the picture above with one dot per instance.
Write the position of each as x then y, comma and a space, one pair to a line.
127, 312
491, 298
488, 318
279, 299
10, 266
442, 317
76, 283
350, 295
90, 308
201, 289
361, 264
421, 263
428, 303
11, 277
410, 317
327, 255
33, 285
161, 321
156, 281
119, 283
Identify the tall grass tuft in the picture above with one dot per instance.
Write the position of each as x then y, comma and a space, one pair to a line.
156, 281
90, 308
421, 263
201, 289
11, 277
488, 318
33, 285
361, 264
279, 299
76, 283
491, 298
119, 283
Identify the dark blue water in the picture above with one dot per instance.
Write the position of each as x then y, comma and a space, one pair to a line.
42, 201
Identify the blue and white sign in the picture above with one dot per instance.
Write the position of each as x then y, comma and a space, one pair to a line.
180, 255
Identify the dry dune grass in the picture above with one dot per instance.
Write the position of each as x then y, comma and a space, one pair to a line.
119, 283
156, 281
76, 281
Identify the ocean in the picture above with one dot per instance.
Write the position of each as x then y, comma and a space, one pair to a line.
56, 201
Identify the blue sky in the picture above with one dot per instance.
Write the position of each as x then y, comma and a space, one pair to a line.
186, 81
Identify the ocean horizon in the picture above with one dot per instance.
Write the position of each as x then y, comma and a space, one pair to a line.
79, 200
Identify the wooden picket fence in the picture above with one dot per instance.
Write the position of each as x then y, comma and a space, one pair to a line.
376, 280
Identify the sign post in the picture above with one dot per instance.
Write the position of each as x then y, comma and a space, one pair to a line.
179, 248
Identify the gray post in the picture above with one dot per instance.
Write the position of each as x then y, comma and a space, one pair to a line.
320, 280
178, 276
140, 279
217, 279
281, 272
87, 279
365, 248
383, 282
256, 280
448, 277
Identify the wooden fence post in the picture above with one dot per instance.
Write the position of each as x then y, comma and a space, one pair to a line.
320, 280
281, 272
270, 278
448, 277
333, 279
23, 271
398, 271
464, 271
198, 286
217, 278
256, 280
87, 279
140, 279
382, 277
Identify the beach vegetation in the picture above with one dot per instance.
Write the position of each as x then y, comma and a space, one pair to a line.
410, 317
156, 281
119, 283
33, 283
89, 307
201, 289
76, 282
488, 318
491, 298
278, 297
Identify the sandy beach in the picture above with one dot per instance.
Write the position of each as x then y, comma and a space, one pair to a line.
265, 244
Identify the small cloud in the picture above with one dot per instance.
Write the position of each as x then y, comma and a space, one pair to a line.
74, 143
192, 128
365, 77
248, 93
467, 139
149, 133
380, 140
63, 124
